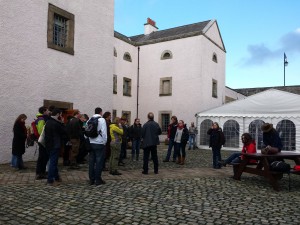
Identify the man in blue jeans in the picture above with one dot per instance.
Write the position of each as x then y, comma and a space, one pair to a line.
97, 153
172, 128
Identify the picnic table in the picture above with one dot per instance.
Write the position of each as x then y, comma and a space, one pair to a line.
262, 168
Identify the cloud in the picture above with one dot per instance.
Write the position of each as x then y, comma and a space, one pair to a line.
261, 54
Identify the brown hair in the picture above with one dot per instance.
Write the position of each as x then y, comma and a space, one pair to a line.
21, 116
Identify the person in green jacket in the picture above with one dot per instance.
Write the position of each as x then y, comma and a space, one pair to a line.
116, 133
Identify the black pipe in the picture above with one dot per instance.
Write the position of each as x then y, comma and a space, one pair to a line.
138, 84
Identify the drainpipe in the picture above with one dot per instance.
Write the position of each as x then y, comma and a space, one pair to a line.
138, 84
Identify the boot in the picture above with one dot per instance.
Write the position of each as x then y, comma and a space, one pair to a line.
182, 161
178, 160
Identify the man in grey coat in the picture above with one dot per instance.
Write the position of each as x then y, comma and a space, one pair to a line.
150, 132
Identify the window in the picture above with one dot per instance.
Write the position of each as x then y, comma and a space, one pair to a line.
166, 55
287, 132
231, 131
165, 86
256, 132
127, 57
115, 53
115, 85
204, 127
126, 86
214, 89
60, 35
165, 120
214, 58
114, 114
127, 115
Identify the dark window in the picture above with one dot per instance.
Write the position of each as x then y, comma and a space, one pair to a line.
204, 127
231, 131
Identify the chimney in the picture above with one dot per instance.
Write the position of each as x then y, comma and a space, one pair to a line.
150, 26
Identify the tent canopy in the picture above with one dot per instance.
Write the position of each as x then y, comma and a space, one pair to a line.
269, 103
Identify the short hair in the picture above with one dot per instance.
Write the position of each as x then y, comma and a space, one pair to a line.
106, 114
56, 111
51, 107
98, 110
76, 112
42, 109
175, 118
150, 116
116, 120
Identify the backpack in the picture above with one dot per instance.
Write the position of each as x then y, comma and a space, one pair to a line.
222, 138
35, 134
91, 129
280, 166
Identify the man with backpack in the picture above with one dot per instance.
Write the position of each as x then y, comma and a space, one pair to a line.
97, 132
38, 125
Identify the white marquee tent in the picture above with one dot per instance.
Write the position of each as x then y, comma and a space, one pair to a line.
280, 108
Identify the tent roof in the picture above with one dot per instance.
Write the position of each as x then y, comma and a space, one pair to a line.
269, 103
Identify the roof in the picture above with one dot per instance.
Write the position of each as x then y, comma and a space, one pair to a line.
185, 31
172, 32
270, 103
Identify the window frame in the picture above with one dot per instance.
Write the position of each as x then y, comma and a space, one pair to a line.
52, 10
125, 80
214, 88
161, 86
160, 119
163, 57
115, 84
215, 58
127, 57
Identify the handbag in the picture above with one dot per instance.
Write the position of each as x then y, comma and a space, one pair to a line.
41, 139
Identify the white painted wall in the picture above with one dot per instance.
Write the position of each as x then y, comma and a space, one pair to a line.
192, 71
123, 68
31, 72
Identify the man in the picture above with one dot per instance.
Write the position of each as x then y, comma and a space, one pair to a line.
150, 132
97, 153
271, 139
55, 134
74, 129
192, 135
172, 128
42, 117
135, 133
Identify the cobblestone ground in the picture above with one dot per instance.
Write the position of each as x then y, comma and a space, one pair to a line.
192, 194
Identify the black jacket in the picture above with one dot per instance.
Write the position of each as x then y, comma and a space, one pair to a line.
18, 144
150, 132
74, 128
135, 131
215, 137
55, 134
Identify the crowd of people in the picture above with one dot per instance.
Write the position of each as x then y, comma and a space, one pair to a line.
107, 149
104, 151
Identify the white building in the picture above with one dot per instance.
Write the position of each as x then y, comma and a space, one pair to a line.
38, 67
178, 71
66, 53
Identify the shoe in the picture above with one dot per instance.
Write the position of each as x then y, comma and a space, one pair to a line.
222, 163
91, 182
115, 173
100, 182
146, 173
174, 160
54, 183
189, 148
165, 160
58, 180
156, 172
121, 164
40, 177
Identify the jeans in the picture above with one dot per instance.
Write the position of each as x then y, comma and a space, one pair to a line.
123, 151
233, 158
136, 143
96, 162
192, 141
53, 169
179, 149
42, 160
19, 161
13, 161
153, 150
216, 156
171, 144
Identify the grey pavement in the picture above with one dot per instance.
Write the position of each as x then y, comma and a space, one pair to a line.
190, 194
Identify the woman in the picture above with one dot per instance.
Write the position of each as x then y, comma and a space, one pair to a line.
249, 146
116, 132
19, 139
215, 142
180, 140
135, 133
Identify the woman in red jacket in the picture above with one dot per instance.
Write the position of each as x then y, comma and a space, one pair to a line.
248, 147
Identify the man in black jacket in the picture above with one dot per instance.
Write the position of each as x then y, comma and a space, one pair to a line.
150, 132
54, 134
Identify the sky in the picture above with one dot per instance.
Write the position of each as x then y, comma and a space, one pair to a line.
256, 33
